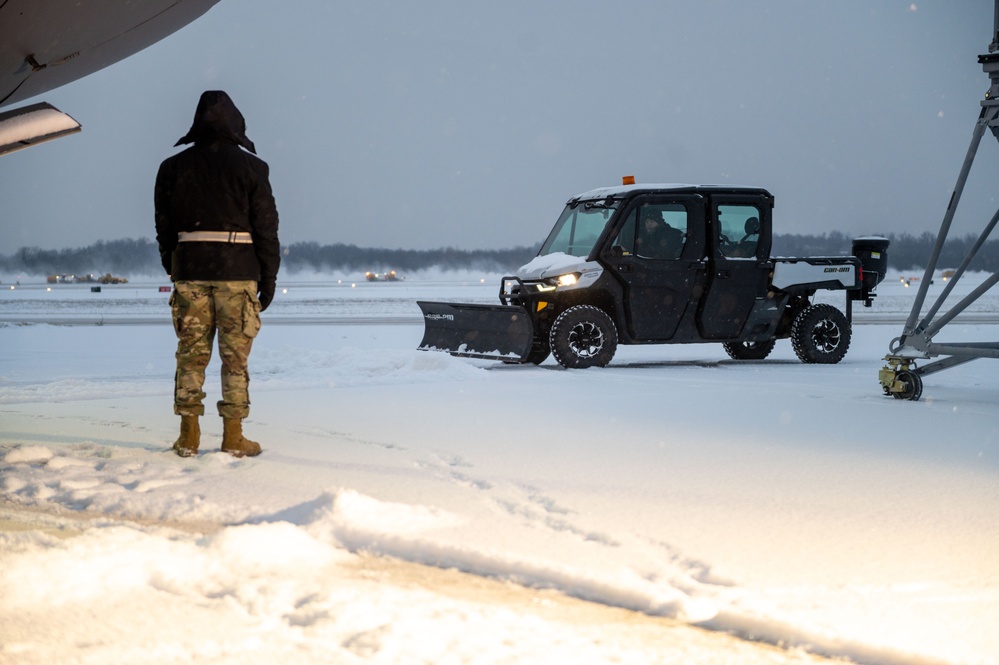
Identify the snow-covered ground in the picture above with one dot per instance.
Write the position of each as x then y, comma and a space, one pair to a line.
411, 507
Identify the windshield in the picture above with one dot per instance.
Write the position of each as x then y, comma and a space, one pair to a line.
577, 229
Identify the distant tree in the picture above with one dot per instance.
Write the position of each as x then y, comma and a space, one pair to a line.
906, 251
312, 256
135, 256
140, 256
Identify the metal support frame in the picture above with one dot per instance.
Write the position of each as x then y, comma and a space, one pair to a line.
900, 377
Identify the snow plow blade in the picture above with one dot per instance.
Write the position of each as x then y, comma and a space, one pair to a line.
495, 332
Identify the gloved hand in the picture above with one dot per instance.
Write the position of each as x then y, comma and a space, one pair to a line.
265, 293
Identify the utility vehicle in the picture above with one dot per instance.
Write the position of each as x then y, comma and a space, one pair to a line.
662, 264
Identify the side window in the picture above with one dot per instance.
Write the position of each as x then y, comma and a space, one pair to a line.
662, 230
738, 230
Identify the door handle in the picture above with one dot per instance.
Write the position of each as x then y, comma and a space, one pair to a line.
723, 274
624, 267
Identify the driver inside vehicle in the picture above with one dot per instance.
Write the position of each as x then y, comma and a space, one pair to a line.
656, 238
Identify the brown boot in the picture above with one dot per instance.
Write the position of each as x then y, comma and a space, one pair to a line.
190, 437
233, 441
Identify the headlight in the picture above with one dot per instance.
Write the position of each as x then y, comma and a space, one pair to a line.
552, 283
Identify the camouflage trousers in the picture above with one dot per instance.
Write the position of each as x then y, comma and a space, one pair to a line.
200, 308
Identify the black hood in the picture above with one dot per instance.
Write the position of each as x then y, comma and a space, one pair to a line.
217, 118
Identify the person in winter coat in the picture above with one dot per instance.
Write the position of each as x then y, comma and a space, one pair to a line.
217, 230
657, 239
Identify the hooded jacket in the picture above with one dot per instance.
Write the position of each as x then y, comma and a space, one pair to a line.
216, 185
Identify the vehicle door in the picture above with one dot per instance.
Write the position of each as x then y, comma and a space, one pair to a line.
739, 232
658, 255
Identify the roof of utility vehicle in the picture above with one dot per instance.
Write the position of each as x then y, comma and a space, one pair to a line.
623, 191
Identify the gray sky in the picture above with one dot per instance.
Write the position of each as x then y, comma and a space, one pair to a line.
448, 123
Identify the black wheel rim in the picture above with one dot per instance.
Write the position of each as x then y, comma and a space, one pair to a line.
586, 339
826, 336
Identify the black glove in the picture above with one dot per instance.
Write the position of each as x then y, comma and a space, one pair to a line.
265, 294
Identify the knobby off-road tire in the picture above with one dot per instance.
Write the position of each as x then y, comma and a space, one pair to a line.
540, 350
749, 350
583, 336
820, 334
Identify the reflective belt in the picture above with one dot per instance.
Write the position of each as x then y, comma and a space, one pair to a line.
231, 237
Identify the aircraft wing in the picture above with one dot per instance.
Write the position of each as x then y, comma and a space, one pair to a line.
34, 124
48, 43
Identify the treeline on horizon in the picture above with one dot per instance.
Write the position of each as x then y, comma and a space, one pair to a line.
139, 256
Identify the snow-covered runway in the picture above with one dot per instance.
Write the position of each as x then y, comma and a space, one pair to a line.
779, 501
